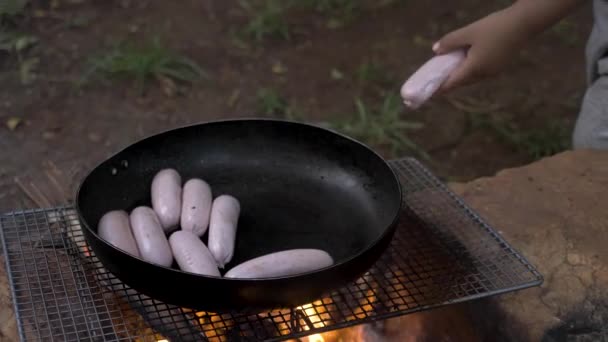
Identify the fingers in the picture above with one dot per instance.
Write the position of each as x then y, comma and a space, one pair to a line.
453, 40
462, 75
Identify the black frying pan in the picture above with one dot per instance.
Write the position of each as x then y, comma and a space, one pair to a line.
300, 186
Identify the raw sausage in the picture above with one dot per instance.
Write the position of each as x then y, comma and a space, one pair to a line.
191, 254
426, 80
222, 228
115, 228
284, 263
196, 206
166, 193
150, 237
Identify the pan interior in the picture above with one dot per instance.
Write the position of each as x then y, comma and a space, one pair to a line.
299, 186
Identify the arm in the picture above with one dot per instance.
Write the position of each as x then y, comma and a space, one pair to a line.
538, 15
492, 40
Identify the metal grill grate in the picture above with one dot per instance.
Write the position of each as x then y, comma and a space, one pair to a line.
442, 253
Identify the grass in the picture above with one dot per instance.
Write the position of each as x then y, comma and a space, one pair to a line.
372, 72
11, 8
145, 63
16, 43
340, 12
379, 126
269, 102
382, 127
346, 6
266, 20
536, 144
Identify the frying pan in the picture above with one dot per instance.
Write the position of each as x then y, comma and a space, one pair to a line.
299, 185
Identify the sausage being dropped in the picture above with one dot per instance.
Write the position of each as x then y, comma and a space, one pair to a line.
150, 238
196, 206
191, 254
284, 263
115, 228
222, 228
429, 77
166, 193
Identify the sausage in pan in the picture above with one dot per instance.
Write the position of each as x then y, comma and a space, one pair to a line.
150, 237
284, 263
191, 254
166, 193
222, 228
196, 206
114, 227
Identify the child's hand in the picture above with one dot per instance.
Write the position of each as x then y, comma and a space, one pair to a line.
491, 41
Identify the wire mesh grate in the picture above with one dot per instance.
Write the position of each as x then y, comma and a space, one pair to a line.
442, 253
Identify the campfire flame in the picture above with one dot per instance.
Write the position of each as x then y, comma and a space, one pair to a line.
316, 338
311, 316
314, 315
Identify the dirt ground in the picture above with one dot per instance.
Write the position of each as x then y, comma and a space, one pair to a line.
525, 113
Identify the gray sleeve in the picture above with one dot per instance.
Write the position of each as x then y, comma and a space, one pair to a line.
597, 45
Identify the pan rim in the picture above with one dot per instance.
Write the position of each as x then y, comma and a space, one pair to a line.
386, 231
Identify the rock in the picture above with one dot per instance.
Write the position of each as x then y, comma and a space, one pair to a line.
94, 137
8, 323
564, 295
554, 212
48, 135
574, 259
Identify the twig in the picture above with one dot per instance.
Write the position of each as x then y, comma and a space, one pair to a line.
210, 10
33, 193
60, 189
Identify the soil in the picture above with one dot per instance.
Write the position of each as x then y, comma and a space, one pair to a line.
77, 127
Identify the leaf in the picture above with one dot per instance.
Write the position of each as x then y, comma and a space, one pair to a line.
278, 68
26, 69
12, 123
12, 7
6, 41
24, 42
336, 74
419, 40
234, 97
334, 24
167, 85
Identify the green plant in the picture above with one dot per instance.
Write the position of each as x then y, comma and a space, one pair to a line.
545, 142
340, 11
266, 20
15, 43
332, 6
382, 126
372, 72
539, 143
271, 103
10, 8
145, 63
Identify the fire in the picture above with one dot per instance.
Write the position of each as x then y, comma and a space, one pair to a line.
311, 316
86, 251
316, 338
314, 312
